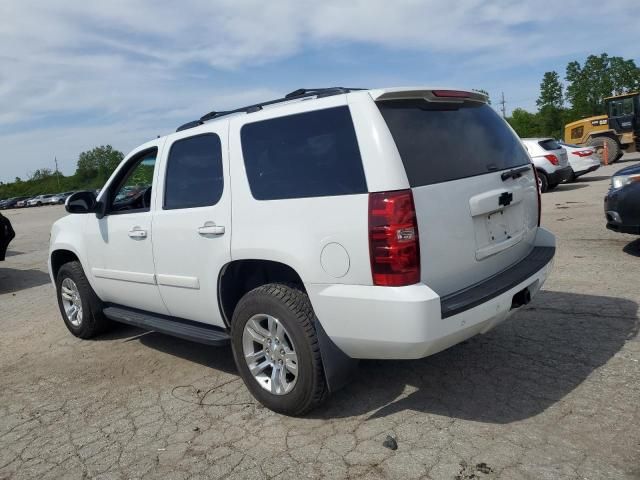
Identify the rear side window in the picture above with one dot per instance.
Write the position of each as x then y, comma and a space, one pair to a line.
440, 142
194, 173
312, 154
550, 144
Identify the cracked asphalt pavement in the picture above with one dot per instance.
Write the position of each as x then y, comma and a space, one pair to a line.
552, 393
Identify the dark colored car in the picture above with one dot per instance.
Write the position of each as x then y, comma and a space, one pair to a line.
6, 235
622, 203
11, 202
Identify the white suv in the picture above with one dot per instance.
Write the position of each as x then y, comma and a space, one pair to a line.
550, 160
311, 231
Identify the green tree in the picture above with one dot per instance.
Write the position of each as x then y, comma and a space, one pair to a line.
600, 77
98, 163
550, 106
41, 174
550, 91
525, 123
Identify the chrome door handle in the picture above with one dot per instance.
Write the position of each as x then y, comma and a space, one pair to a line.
210, 228
137, 232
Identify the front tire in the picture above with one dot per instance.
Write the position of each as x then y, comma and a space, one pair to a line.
276, 349
80, 307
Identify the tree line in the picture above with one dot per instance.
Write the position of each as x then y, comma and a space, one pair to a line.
92, 170
583, 94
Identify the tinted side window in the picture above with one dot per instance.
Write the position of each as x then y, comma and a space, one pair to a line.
194, 173
309, 154
440, 142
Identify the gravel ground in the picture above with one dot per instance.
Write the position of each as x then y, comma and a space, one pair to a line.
552, 393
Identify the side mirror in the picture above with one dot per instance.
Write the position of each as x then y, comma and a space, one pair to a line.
81, 202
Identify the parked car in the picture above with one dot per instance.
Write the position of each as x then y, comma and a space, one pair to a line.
58, 198
39, 200
22, 203
6, 235
311, 231
622, 203
550, 160
12, 202
583, 160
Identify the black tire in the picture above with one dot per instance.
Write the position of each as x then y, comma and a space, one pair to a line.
93, 321
551, 186
543, 180
598, 143
39, 204
291, 306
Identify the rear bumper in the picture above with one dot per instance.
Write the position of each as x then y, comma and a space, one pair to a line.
414, 322
560, 175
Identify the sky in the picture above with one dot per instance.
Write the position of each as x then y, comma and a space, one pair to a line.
78, 74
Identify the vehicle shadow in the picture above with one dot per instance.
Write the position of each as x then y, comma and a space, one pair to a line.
218, 358
633, 248
13, 280
588, 179
569, 186
13, 253
516, 371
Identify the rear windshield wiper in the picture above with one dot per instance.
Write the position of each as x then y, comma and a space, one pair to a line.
515, 172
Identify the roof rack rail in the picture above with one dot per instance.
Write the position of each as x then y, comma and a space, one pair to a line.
296, 94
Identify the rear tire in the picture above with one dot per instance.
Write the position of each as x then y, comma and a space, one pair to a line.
614, 148
288, 306
543, 180
80, 307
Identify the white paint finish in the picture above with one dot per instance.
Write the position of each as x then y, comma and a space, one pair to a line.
448, 231
110, 249
537, 154
380, 158
405, 322
123, 263
178, 281
335, 260
295, 231
125, 276
191, 245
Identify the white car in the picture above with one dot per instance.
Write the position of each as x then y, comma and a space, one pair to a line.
58, 198
582, 159
311, 231
39, 200
550, 160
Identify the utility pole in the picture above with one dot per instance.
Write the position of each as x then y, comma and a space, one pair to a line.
55, 159
502, 106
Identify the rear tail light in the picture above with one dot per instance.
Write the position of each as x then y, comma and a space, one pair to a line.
394, 246
583, 153
535, 174
553, 159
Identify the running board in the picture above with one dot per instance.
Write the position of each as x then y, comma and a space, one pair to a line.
176, 327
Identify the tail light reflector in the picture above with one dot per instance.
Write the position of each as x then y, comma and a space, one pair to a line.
553, 159
583, 153
394, 245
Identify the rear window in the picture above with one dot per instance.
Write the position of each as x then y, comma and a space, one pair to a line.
439, 142
550, 144
310, 154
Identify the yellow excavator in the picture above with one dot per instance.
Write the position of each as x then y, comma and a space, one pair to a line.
618, 129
